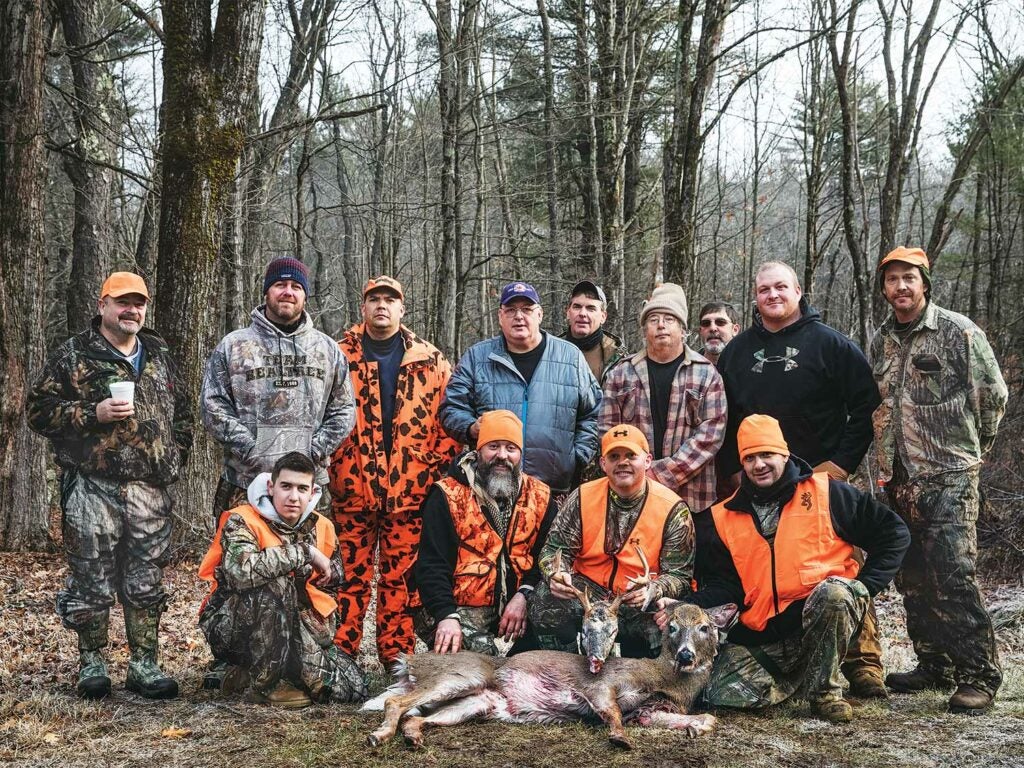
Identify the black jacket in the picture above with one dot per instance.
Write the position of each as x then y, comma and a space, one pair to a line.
857, 518
433, 573
810, 377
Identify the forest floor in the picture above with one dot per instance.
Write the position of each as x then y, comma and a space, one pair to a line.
43, 723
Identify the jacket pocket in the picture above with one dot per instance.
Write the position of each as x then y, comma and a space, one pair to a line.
814, 573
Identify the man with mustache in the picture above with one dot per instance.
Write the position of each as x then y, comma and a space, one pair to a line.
483, 527
719, 324
381, 474
118, 455
605, 531
586, 316
543, 379
782, 549
817, 382
674, 396
943, 397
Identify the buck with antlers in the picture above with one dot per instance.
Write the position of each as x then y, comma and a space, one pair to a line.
552, 686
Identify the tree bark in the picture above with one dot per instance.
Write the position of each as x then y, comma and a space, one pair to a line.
23, 488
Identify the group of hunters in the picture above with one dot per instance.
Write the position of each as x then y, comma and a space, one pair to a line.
371, 461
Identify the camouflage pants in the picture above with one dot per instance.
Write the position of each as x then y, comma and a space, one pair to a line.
116, 536
759, 676
946, 618
479, 631
267, 632
557, 621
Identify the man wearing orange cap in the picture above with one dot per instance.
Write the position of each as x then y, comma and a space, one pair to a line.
942, 399
381, 474
782, 548
606, 531
110, 401
483, 527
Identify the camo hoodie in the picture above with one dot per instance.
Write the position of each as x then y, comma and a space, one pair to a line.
150, 446
267, 393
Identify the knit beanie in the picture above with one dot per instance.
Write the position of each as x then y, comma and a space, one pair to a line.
915, 257
669, 298
500, 425
760, 434
286, 268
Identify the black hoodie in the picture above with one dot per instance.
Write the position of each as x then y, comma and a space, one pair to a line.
857, 518
810, 377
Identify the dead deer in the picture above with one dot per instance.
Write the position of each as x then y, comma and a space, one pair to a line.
551, 686
600, 624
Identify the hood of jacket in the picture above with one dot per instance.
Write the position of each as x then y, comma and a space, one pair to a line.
260, 499
266, 328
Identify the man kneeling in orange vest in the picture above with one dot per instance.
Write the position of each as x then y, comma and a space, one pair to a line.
274, 569
781, 547
610, 534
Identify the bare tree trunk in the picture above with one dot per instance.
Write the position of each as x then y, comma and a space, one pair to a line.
209, 72
550, 145
88, 159
23, 488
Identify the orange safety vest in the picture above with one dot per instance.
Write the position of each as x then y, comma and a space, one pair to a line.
805, 552
326, 542
613, 570
480, 546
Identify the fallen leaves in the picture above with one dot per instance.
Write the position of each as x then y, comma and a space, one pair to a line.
173, 732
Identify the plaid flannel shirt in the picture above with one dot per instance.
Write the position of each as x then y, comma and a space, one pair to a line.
696, 423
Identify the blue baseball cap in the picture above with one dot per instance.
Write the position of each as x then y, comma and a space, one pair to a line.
519, 291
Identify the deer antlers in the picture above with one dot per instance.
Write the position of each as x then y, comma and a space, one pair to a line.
646, 581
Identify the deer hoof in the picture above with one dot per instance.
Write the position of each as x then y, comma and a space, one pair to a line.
621, 741
414, 740
375, 739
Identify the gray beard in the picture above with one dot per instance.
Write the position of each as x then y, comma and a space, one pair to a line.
503, 487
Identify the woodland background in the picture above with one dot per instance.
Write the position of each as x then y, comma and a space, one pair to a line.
459, 144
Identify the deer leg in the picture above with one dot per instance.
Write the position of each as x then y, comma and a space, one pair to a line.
606, 706
445, 689
693, 725
459, 711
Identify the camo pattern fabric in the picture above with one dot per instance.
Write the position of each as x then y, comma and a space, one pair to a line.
150, 446
758, 676
479, 631
266, 393
942, 395
558, 621
946, 617
260, 616
116, 537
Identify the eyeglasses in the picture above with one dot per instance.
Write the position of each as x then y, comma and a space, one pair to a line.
522, 311
662, 319
721, 322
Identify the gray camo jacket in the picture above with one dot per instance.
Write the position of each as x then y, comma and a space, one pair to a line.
266, 393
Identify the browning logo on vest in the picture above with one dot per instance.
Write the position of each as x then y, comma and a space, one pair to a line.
613, 570
805, 552
480, 546
326, 541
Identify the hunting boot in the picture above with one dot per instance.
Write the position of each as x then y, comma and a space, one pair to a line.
144, 674
969, 700
920, 679
93, 682
284, 695
833, 710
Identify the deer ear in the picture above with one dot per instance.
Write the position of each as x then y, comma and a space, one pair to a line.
723, 616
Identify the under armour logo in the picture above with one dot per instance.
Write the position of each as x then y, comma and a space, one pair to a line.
635, 541
805, 499
620, 433
761, 358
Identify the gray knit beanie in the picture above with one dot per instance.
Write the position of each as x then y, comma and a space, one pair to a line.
669, 298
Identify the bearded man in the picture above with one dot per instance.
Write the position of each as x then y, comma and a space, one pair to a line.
483, 527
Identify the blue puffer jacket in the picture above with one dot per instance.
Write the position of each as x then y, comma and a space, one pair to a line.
558, 410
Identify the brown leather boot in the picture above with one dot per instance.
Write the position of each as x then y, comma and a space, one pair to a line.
864, 684
968, 700
284, 695
917, 680
833, 710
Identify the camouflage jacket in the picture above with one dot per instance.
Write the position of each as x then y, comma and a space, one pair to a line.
942, 394
363, 477
151, 446
604, 356
267, 393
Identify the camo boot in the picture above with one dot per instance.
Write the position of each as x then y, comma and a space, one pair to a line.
93, 682
144, 674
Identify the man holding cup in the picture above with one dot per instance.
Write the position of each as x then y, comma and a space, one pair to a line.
110, 401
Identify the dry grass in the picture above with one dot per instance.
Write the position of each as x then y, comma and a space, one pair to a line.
42, 723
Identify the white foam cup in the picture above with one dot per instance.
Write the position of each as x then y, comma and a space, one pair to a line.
123, 390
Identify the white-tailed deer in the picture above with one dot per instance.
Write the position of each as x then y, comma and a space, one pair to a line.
600, 624
552, 687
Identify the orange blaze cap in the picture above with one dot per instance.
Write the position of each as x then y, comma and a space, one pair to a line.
624, 436
760, 434
915, 257
123, 283
500, 425
384, 283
